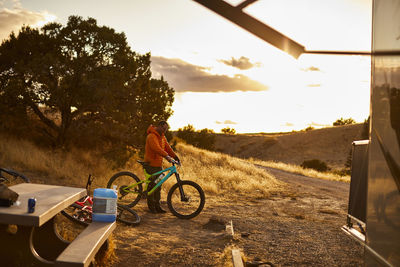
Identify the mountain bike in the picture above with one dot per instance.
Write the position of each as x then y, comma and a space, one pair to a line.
81, 210
10, 177
185, 198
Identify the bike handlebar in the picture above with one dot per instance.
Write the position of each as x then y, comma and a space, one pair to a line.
13, 173
10, 172
89, 181
174, 162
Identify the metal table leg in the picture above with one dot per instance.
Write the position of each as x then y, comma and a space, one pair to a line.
46, 241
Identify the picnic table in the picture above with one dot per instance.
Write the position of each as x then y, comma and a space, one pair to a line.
36, 241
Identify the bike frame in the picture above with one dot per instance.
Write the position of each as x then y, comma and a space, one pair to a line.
171, 170
88, 199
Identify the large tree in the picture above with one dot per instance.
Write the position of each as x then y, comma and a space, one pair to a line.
79, 80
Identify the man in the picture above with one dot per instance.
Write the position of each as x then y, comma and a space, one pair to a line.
156, 149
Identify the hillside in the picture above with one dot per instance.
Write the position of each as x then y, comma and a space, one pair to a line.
331, 145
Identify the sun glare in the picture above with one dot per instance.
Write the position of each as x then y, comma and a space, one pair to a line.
312, 91
46, 19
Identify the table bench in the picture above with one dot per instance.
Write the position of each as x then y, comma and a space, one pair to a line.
84, 247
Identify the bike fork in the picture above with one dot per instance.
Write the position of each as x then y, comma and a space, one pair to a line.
183, 197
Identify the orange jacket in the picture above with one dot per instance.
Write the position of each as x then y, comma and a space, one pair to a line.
156, 148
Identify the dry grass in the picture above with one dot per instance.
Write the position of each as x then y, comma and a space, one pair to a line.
299, 170
215, 172
53, 166
218, 173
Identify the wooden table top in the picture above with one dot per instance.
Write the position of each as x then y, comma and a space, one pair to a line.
50, 200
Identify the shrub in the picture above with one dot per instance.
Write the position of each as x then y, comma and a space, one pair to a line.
204, 138
342, 121
228, 130
315, 164
343, 172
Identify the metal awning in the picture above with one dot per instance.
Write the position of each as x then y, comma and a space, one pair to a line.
236, 15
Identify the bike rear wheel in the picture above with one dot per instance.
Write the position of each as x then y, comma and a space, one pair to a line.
127, 215
188, 206
76, 214
126, 196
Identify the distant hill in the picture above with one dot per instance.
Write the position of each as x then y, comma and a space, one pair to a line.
331, 145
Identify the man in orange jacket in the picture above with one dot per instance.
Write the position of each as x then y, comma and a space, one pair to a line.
156, 149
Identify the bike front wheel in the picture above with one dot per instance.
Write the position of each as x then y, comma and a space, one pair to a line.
127, 195
186, 199
127, 215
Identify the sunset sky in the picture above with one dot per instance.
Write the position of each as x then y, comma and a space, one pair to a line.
226, 77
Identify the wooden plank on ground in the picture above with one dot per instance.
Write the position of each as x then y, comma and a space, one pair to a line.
229, 228
237, 258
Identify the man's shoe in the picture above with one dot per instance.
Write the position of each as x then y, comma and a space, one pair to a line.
160, 210
152, 209
151, 206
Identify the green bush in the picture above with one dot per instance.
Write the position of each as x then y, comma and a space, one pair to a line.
343, 172
228, 130
342, 121
204, 138
315, 164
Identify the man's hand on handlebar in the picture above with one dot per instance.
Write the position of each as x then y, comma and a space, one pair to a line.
171, 160
177, 160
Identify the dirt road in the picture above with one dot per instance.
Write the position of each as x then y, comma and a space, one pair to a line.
300, 227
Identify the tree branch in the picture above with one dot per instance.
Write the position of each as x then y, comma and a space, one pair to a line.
41, 116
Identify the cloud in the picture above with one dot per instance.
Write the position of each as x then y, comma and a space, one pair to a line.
312, 68
243, 63
288, 124
185, 77
226, 122
12, 19
314, 85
